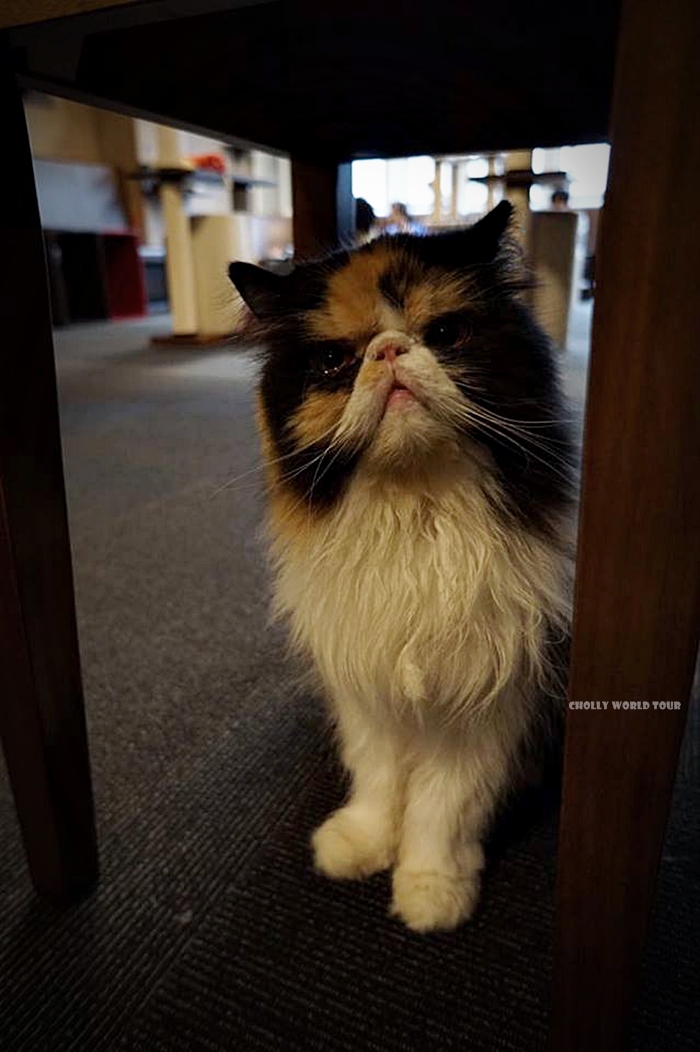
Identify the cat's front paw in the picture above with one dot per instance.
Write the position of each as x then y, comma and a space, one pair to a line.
350, 845
433, 901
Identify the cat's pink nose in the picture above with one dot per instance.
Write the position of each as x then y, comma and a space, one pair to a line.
389, 352
387, 347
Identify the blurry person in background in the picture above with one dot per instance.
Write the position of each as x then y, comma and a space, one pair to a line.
400, 222
365, 220
559, 200
584, 253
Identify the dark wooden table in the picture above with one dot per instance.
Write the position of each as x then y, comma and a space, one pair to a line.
327, 84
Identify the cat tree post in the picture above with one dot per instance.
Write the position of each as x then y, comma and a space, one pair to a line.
494, 173
179, 260
518, 179
458, 180
437, 193
552, 250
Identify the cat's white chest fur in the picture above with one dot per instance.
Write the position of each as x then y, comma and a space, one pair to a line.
417, 601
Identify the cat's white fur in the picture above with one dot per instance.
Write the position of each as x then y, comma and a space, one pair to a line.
425, 616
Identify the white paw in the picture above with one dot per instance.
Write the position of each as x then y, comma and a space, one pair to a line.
433, 901
349, 845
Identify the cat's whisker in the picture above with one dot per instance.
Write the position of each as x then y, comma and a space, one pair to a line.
546, 447
239, 478
471, 416
525, 423
549, 422
313, 483
339, 450
474, 413
535, 428
530, 442
270, 463
305, 467
504, 436
306, 495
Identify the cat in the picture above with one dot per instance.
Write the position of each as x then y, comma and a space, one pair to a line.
419, 475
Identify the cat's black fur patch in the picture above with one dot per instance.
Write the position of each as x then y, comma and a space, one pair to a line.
510, 372
393, 286
290, 372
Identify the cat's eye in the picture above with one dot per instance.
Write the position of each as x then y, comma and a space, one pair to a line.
333, 358
447, 332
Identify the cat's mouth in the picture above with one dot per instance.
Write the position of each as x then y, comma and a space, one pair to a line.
399, 395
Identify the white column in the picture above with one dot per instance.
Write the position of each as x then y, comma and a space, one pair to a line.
491, 199
284, 175
216, 241
519, 196
552, 250
437, 202
178, 260
457, 177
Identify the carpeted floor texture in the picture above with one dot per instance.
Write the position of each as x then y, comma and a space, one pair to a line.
209, 929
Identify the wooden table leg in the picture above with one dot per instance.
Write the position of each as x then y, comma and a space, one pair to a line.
42, 721
637, 607
323, 207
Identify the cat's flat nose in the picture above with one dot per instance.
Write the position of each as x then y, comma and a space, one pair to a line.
388, 346
389, 352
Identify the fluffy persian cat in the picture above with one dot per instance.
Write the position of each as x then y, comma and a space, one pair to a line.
419, 471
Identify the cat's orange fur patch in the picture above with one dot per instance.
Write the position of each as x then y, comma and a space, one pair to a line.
434, 296
316, 417
354, 307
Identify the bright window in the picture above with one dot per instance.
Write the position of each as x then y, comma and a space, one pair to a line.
405, 179
586, 167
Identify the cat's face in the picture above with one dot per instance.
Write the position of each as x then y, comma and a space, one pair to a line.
394, 357
375, 379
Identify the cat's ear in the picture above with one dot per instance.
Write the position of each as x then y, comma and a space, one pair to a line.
262, 290
468, 246
487, 233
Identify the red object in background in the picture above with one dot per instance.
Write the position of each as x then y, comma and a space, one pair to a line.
125, 283
95, 275
209, 162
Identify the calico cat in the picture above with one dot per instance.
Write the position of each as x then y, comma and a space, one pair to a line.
419, 478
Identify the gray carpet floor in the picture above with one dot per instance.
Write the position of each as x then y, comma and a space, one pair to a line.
208, 929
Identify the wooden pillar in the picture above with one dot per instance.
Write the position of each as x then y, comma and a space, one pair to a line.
323, 207
637, 607
42, 722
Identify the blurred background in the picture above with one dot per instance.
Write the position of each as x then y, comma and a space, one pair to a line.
142, 219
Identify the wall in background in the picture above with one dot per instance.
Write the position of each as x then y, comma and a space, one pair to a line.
78, 197
60, 130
